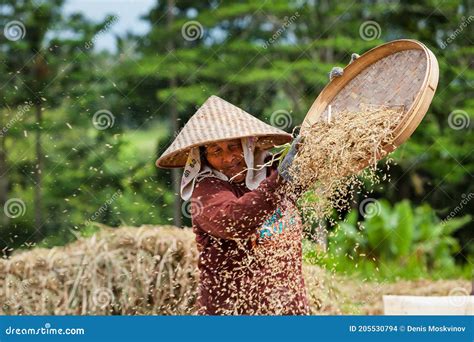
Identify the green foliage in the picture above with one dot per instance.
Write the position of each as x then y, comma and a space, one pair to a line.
398, 241
261, 56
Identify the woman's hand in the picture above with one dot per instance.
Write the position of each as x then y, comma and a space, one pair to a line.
285, 164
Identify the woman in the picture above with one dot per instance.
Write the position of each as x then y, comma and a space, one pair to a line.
248, 234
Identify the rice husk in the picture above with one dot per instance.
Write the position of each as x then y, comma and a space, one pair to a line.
338, 156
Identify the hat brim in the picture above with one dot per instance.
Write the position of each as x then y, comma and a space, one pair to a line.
178, 158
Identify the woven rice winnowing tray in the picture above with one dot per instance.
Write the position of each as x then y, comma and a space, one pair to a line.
402, 73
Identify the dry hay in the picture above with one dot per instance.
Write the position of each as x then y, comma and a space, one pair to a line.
152, 270
334, 152
331, 294
128, 271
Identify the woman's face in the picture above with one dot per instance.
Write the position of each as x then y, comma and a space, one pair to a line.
227, 157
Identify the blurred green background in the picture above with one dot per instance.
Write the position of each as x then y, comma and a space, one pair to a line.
82, 126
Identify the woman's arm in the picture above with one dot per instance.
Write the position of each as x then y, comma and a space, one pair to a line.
220, 213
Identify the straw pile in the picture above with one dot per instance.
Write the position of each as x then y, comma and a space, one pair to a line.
151, 270
128, 271
332, 294
334, 152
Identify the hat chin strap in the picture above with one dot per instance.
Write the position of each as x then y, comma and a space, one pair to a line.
195, 171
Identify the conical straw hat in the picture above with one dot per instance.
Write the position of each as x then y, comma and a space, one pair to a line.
218, 120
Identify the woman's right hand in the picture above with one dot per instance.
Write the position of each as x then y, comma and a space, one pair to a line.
285, 164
